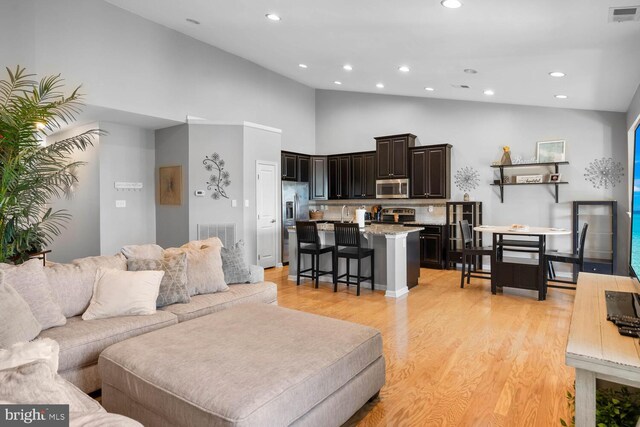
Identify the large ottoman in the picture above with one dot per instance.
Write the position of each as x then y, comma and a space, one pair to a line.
250, 365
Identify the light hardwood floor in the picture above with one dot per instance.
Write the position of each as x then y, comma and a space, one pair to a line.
455, 357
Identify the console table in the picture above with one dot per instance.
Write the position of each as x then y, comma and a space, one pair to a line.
595, 348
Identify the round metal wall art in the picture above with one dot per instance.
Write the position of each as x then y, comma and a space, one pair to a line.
604, 173
467, 179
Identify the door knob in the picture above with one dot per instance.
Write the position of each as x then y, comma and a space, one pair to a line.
273, 220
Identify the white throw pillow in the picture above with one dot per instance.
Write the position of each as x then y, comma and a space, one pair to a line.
150, 251
211, 242
22, 353
204, 269
123, 293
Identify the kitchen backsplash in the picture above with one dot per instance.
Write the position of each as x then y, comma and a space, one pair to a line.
428, 212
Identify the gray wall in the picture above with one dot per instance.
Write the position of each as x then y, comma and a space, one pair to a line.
81, 237
204, 140
172, 222
634, 109
128, 63
349, 121
126, 154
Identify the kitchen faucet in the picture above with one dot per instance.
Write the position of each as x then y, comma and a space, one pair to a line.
342, 213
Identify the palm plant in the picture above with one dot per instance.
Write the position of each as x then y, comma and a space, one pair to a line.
31, 174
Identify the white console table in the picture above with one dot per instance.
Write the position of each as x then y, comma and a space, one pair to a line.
595, 348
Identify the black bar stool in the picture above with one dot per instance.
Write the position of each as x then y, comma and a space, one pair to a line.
348, 235
309, 243
469, 252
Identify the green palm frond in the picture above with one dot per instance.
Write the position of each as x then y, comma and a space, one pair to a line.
31, 174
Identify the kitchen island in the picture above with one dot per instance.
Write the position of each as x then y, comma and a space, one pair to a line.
397, 256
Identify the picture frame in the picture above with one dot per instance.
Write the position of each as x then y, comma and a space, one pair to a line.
555, 177
170, 185
551, 151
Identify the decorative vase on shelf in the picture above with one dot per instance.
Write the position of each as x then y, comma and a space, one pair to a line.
506, 155
466, 197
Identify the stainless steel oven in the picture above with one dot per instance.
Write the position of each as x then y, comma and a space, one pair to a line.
392, 189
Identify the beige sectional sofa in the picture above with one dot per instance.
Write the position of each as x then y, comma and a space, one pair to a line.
82, 341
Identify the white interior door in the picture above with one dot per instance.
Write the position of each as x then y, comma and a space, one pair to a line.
267, 210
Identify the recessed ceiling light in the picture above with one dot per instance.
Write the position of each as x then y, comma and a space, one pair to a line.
557, 74
561, 96
302, 65
489, 92
404, 69
470, 71
337, 82
272, 17
380, 86
451, 4
193, 21
429, 89
347, 67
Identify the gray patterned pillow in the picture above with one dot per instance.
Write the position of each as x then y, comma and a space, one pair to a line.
233, 264
173, 287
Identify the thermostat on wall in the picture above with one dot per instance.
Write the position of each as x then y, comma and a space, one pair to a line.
199, 193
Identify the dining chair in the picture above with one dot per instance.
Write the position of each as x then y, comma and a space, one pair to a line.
348, 236
469, 252
576, 259
309, 243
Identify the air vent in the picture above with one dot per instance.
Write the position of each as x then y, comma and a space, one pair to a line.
624, 14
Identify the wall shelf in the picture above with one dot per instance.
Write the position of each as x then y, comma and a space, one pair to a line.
502, 184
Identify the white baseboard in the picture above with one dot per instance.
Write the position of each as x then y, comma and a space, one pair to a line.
397, 294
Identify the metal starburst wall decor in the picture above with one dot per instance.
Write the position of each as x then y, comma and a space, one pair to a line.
604, 173
467, 179
219, 179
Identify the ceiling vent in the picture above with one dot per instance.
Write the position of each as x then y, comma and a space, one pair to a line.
624, 14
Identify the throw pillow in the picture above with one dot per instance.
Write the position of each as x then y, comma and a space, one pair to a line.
31, 283
204, 270
123, 293
173, 287
149, 251
21, 353
18, 323
212, 242
234, 266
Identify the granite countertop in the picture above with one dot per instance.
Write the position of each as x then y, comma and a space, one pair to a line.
375, 229
427, 222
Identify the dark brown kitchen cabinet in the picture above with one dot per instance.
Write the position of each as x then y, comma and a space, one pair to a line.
288, 164
432, 248
339, 176
430, 172
304, 165
363, 176
319, 179
392, 155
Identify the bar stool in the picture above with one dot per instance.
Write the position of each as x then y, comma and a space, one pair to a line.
348, 235
468, 252
309, 243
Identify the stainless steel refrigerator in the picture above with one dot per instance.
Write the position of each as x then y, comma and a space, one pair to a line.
295, 207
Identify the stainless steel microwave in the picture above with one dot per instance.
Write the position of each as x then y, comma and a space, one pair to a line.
392, 189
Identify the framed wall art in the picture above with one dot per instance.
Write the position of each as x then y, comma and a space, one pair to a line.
170, 185
551, 151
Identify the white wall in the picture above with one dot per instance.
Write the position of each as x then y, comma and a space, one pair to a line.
127, 154
127, 63
81, 236
349, 122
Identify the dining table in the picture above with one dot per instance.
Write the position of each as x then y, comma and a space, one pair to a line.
520, 272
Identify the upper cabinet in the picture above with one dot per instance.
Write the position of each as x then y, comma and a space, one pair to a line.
393, 155
363, 175
430, 170
304, 169
289, 166
318, 184
339, 176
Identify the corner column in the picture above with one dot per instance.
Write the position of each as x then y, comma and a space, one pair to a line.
396, 265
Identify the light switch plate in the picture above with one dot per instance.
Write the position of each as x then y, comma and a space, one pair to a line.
246, 203
234, 203
121, 203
